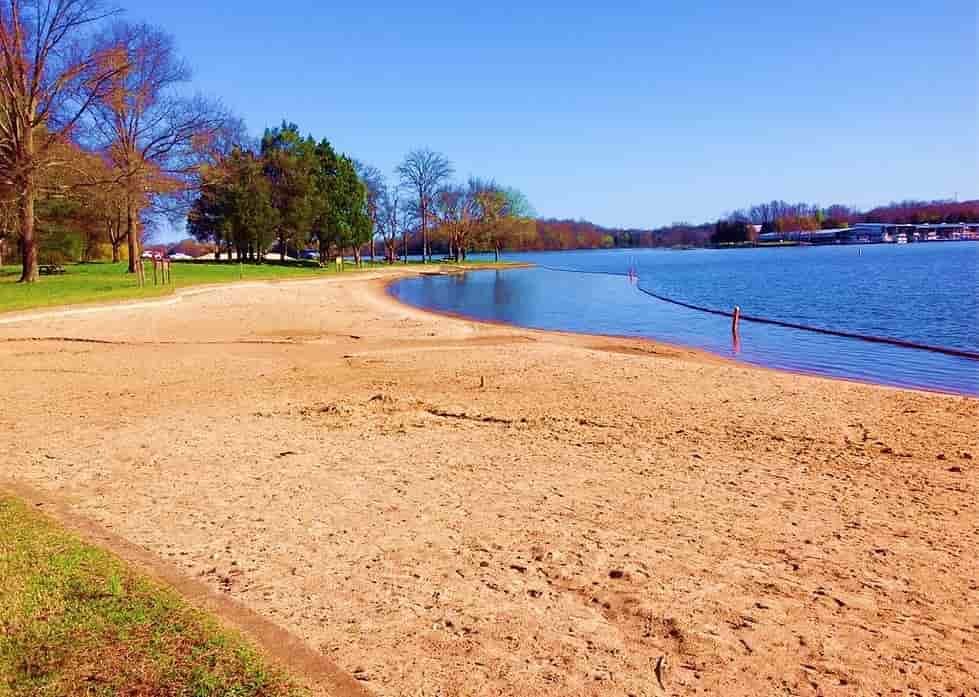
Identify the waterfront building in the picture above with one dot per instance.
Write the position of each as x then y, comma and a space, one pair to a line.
876, 233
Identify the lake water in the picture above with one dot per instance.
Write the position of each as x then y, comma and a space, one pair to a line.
922, 293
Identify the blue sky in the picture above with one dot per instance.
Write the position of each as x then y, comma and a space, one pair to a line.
626, 114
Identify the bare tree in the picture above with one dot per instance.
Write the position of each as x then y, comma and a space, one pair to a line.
391, 221
8, 220
155, 138
458, 210
423, 172
110, 205
50, 76
490, 203
376, 188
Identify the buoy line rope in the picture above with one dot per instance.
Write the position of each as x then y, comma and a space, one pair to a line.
946, 350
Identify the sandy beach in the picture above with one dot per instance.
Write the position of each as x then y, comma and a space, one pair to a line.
443, 507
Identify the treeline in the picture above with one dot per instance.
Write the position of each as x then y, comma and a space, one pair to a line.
294, 194
778, 216
291, 190
97, 135
99, 141
924, 212
552, 235
740, 226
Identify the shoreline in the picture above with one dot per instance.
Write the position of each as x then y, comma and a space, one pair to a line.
172, 294
391, 275
442, 504
702, 354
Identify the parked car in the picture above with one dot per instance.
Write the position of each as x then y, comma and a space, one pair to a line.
310, 255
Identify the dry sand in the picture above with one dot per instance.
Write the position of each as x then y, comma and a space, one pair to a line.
598, 517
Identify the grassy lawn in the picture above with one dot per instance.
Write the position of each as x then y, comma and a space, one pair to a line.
83, 283
75, 620
101, 282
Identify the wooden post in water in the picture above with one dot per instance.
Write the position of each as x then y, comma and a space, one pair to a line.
735, 319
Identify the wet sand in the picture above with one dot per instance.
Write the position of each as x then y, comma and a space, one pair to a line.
443, 507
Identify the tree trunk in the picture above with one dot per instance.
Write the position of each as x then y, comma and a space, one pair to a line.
115, 250
423, 209
131, 236
372, 250
29, 269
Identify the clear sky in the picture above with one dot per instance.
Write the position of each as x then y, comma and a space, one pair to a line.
626, 114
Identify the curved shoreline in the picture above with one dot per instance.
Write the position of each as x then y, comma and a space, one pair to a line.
692, 351
828, 331
391, 275
176, 295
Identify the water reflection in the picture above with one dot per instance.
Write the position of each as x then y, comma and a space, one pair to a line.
612, 305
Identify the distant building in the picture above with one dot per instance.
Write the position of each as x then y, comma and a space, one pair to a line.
877, 233
880, 232
834, 236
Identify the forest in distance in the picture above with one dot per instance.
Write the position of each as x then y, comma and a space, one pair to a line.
775, 216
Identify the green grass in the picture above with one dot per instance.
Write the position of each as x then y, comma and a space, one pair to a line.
103, 282
74, 620
86, 283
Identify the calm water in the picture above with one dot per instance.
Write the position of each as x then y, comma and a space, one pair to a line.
925, 293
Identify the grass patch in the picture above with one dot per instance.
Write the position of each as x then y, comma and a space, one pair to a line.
74, 620
104, 282
84, 283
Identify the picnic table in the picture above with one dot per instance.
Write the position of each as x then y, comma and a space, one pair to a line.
51, 269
